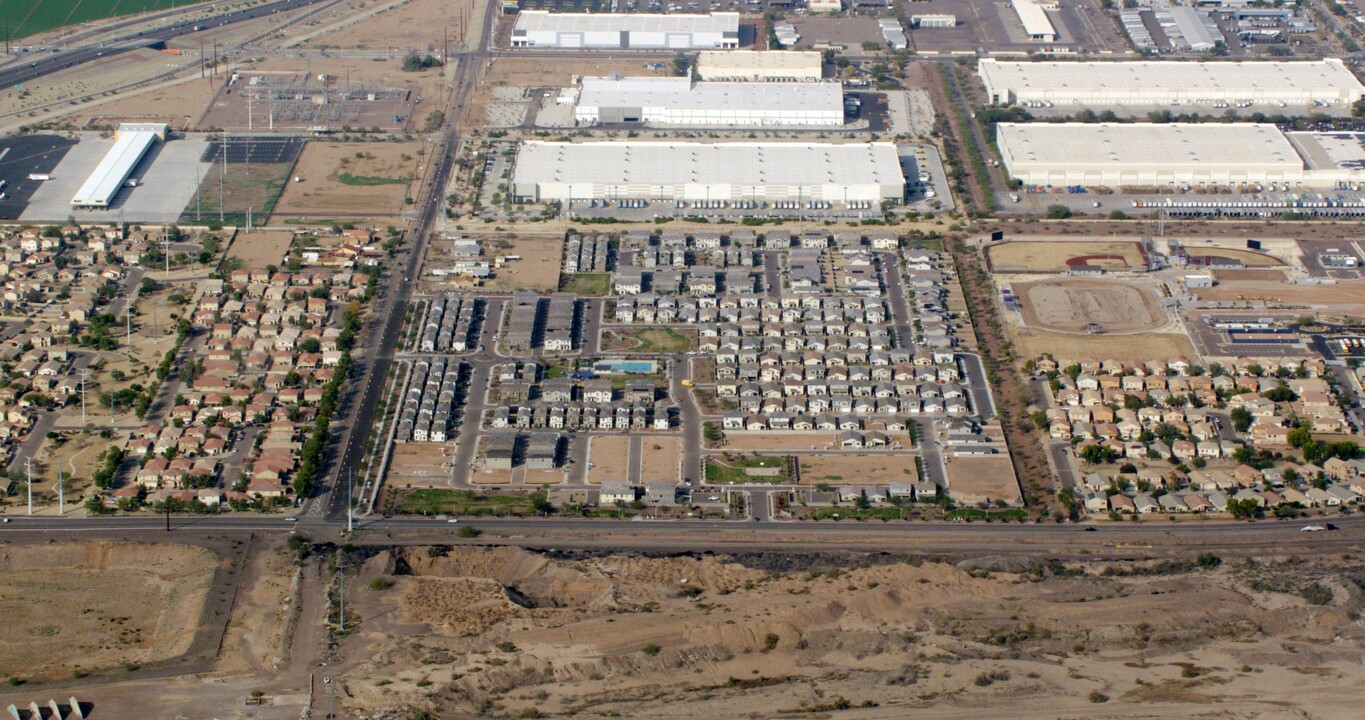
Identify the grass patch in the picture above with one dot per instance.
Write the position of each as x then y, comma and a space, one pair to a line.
585, 283
436, 501
256, 186
853, 513
370, 180
724, 472
661, 341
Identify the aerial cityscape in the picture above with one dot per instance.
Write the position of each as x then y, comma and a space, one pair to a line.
410, 359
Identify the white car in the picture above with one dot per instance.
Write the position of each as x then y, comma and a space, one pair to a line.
453, 520
1312, 528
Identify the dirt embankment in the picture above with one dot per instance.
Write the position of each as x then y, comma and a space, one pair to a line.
506, 632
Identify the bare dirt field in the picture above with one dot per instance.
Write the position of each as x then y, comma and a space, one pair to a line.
96, 605
542, 477
659, 458
415, 25
1345, 296
1055, 254
608, 458
259, 249
254, 642
178, 105
485, 476
857, 469
418, 465
536, 266
91, 78
1032, 342
738, 441
1274, 276
76, 457
365, 180
1071, 304
507, 632
987, 478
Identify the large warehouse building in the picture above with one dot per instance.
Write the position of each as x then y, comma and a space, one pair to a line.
760, 66
709, 171
131, 143
542, 29
1165, 154
680, 101
1107, 84
1033, 16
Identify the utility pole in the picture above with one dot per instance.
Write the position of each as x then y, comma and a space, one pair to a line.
166, 250
168, 514
61, 494
341, 580
28, 463
201, 59
222, 177
350, 506
85, 375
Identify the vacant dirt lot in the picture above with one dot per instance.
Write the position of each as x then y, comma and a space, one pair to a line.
178, 105
659, 459
510, 632
857, 469
744, 441
97, 605
1069, 305
974, 479
418, 465
1052, 254
261, 248
536, 266
1139, 347
608, 458
352, 180
1347, 296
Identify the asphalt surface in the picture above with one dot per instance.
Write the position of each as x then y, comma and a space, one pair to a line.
46, 63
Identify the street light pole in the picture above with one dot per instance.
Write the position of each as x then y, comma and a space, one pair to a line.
28, 463
85, 375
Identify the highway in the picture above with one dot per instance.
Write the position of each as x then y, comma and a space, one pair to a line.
50, 62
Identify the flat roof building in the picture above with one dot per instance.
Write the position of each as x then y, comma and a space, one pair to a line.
760, 66
680, 101
709, 171
543, 29
1033, 15
1164, 154
1161, 82
131, 143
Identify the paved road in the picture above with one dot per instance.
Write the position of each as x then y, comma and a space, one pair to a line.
772, 272
381, 337
930, 453
45, 63
983, 403
902, 316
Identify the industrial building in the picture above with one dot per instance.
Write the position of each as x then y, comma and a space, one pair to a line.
131, 143
1178, 154
759, 172
933, 21
1157, 82
543, 29
1033, 15
681, 101
760, 66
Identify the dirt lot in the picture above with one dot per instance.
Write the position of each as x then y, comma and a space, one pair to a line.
1342, 296
262, 248
416, 25
989, 478
420, 465
178, 105
857, 469
91, 78
608, 458
1052, 254
77, 459
365, 180
1249, 275
96, 605
739, 441
659, 458
536, 269
1069, 305
506, 632
1032, 342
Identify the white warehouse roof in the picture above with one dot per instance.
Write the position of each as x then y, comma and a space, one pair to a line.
749, 64
1158, 81
133, 141
1148, 154
544, 21
681, 95
1034, 18
718, 170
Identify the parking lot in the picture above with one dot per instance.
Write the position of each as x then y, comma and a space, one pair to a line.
23, 156
166, 183
1338, 203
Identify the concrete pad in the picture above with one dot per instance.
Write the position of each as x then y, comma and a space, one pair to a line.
166, 183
